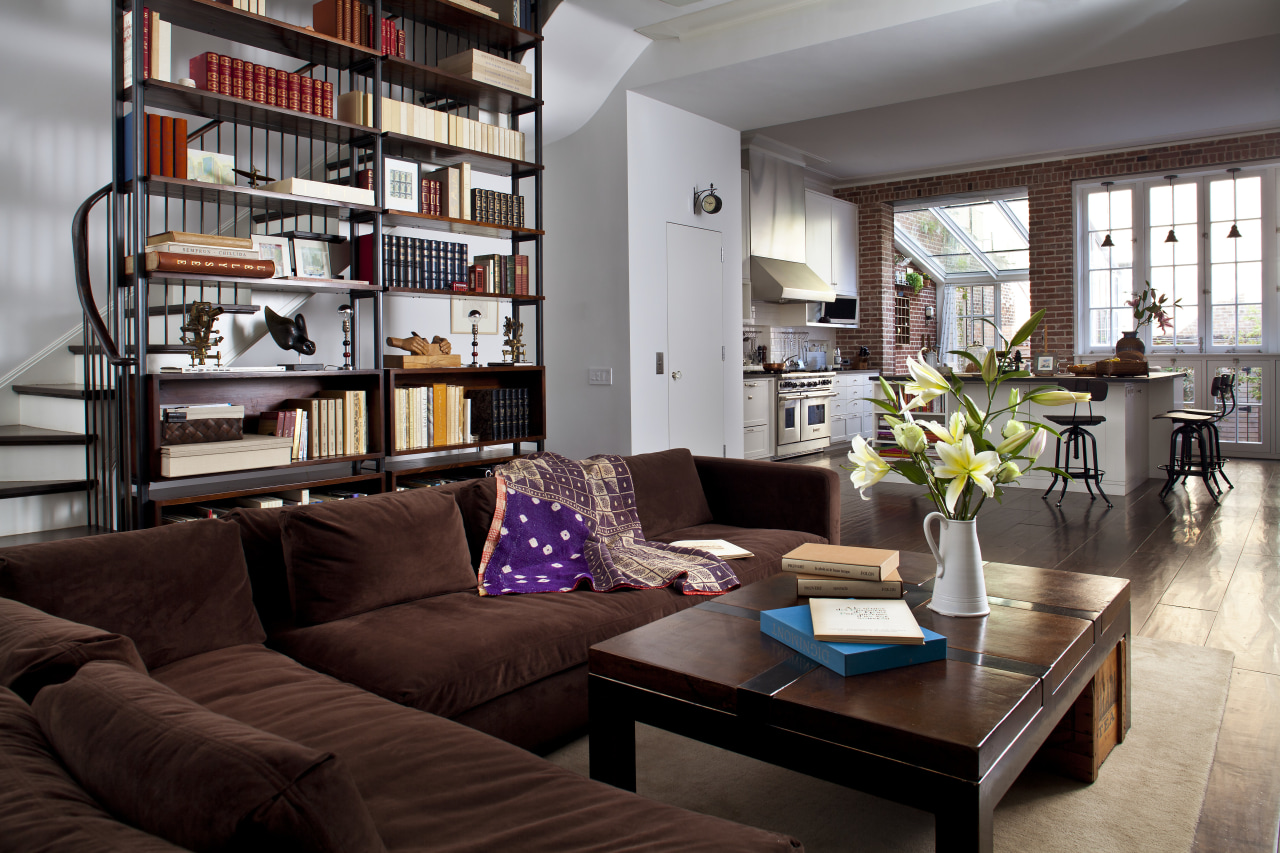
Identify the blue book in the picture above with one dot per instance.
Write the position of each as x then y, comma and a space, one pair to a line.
793, 627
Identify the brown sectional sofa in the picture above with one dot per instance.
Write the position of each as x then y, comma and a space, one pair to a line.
347, 637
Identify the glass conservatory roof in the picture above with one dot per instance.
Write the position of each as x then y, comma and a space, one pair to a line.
984, 238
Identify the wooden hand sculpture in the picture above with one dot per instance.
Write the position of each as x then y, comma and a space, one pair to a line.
416, 344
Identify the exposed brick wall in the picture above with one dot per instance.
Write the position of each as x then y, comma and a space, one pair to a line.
1049, 199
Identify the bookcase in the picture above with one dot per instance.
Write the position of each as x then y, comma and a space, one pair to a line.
268, 142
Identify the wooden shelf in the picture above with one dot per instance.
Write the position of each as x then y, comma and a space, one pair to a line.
274, 205
270, 285
171, 96
226, 22
454, 294
468, 227
531, 378
442, 154
397, 71
256, 482
446, 16
404, 467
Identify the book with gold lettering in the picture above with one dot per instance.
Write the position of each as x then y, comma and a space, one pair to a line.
855, 620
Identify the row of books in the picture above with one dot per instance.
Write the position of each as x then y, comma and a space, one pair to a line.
249, 81
352, 21
486, 68
498, 414
415, 262
332, 423
157, 40
504, 274
165, 141
498, 208
431, 416
432, 125
257, 7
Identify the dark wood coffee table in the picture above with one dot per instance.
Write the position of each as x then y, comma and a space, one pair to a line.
948, 737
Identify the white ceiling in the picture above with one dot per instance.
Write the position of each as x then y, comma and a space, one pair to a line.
882, 88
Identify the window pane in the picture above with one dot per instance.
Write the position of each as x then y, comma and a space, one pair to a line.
986, 225
1235, 272
1010, 260
1249, 282
1250, 198
1019, 208
943, 246
1015, 307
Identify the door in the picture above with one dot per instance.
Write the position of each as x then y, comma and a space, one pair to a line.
789, 416
817, 416
1247, 430
695, 324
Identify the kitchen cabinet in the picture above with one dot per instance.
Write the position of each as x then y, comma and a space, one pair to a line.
757, 417
831, 228
851, 413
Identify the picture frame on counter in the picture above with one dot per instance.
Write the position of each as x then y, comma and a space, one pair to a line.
273, 248
311, 258
1044, 365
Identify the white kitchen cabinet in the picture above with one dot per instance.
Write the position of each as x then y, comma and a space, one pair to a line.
831, 235
757, 417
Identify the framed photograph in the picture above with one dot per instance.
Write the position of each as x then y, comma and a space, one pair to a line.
274, 249
210, 167
311, 259
401, 190
1044, 364
460, 321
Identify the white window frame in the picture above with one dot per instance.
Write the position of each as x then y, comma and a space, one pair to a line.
1141, 186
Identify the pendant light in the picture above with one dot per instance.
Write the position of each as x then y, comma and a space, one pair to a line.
1106, 241
1172, 238
1235, 230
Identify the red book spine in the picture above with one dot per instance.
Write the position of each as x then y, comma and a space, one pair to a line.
224, 75
204, 70
295, 90
249, 70
180, 148
305, 85
344, 21
155, 159
364, 179
166, 146
146, 43
317, 97
237, 78
260, 83
327, 107
271, 88
400, 44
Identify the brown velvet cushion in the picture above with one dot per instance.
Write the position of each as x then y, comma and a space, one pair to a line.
477, 501
766, 546
197, 778
175, 591
264, 557
348, 557
38, 649
668, 492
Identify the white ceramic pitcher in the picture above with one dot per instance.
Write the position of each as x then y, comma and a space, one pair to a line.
959, 588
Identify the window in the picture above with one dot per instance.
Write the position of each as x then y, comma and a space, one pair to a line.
1175, 234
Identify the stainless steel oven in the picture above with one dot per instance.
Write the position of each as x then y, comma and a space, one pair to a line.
804, 412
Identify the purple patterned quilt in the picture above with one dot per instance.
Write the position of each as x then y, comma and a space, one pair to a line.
560, 522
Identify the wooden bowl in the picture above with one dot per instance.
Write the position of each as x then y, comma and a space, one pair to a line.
773, 366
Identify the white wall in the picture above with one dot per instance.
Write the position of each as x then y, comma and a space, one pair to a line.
669, 151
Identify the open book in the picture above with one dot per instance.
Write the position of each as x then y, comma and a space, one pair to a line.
716, 548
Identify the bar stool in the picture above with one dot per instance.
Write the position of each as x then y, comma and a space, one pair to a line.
1195, 448
1073, 441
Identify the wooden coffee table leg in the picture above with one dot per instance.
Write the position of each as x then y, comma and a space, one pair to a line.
612, 735
963, 825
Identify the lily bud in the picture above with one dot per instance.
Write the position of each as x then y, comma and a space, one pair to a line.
1015, 397
910, 437
989, 365
1008, 472
1060, 397
1037, 445
1012, 428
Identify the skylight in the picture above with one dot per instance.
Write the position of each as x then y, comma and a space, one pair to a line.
966, 240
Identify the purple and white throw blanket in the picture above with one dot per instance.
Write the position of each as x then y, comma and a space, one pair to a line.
560, 522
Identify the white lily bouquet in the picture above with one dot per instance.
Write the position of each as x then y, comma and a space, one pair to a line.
972, 464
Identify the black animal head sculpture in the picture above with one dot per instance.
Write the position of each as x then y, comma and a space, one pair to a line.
289, 334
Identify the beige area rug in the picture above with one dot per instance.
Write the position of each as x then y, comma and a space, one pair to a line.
1147, 798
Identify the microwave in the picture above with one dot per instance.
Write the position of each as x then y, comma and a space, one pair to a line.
842, 312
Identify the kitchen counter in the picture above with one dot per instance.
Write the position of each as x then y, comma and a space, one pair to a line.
1154, 376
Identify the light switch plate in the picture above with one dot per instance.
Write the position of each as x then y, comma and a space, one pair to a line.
599, 375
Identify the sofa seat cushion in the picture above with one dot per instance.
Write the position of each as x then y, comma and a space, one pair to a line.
450, 653
432, 784
195, 777
42, 807
766, 545
175, 591
38, 649
349, 557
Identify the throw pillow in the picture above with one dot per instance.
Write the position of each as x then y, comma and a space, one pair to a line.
175, 591
668, 491
264, 557
353, 556
196, 778
38, 649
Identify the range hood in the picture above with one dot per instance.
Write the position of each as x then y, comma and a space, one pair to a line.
776, 206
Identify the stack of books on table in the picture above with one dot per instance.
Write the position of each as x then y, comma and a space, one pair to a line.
839, 571
853, 637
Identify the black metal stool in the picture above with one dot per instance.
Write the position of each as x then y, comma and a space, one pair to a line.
1195, 448
1073, 441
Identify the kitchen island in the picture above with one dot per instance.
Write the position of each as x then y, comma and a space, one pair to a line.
1131, 446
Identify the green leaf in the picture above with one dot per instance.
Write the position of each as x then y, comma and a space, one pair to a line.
884, 404
967, 355
1027, 329
1053, 470
912, 471
971, 410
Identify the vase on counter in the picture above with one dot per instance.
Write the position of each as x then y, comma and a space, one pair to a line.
1129, 341
959, 587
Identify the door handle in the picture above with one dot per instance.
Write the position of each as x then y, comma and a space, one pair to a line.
675, 374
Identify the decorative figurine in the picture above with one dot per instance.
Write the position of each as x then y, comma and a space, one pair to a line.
419, 345
197, 331
512, 346
255, 177
474, 315
345, 311
291, 335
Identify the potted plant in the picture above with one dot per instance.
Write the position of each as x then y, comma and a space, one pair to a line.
915, 281
1147, 308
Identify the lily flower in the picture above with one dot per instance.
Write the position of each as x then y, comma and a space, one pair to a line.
1036, 447
926, 383
1059, 397
953, 431
960, 464
910, 437
869, 468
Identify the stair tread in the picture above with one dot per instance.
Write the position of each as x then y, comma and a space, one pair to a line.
153, 349
30, 488
67, 390
51, 535
22, 434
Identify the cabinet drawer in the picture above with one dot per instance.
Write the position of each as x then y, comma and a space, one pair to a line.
757, 442
757, 401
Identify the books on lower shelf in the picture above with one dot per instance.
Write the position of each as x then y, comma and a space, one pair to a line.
841, 561
499, 414
432, 125
156, 40
822, 586
436, 415
251, 451
503, 274
721, 548
793, 626
332, 423
855, 620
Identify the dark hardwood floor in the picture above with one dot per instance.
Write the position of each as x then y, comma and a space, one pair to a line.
1202, 573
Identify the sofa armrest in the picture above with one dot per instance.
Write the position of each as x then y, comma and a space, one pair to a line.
779, 495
